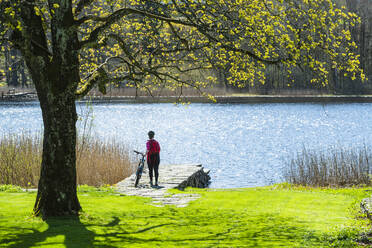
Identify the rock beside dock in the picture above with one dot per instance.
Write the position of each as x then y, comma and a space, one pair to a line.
170, 177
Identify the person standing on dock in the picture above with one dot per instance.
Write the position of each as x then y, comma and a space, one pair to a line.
153, 157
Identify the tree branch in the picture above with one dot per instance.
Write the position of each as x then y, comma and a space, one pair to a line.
95, 78
100, 77
116, 16
240, 50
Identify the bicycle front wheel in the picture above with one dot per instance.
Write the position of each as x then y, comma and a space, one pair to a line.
138, 177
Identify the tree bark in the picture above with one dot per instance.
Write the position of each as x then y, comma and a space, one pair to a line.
57, 194
57, 186
54, 70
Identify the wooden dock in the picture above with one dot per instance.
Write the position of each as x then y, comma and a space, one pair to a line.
13, 95
170, 177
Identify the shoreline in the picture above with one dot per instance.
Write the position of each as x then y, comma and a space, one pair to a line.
219, 99
238, 99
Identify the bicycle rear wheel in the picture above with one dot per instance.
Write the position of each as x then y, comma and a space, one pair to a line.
138, 175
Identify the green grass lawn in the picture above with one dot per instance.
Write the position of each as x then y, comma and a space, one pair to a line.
255, 217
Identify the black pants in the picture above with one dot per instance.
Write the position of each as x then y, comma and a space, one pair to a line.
153, 163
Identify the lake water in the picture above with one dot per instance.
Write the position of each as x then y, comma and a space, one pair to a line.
243, 144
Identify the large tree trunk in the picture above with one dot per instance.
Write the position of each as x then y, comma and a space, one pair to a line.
57, 186
54, 70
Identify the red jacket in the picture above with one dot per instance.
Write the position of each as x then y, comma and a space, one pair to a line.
153, 147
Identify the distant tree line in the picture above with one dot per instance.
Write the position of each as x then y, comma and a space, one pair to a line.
13, 71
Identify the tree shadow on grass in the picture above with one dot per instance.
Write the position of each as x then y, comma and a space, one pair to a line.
75, 234
220, 228
265, 230
226, 228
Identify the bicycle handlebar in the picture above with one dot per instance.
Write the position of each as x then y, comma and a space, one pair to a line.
139, 153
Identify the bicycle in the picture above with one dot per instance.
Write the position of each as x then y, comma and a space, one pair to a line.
140, 167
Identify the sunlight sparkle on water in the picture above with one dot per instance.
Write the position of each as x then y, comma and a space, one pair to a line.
243, 144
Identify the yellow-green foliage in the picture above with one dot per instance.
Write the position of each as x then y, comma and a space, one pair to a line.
242, 36
276, 216
160, 44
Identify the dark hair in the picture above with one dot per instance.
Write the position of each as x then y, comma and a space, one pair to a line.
151, 134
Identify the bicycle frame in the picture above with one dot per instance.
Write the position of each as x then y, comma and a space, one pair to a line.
140, 167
